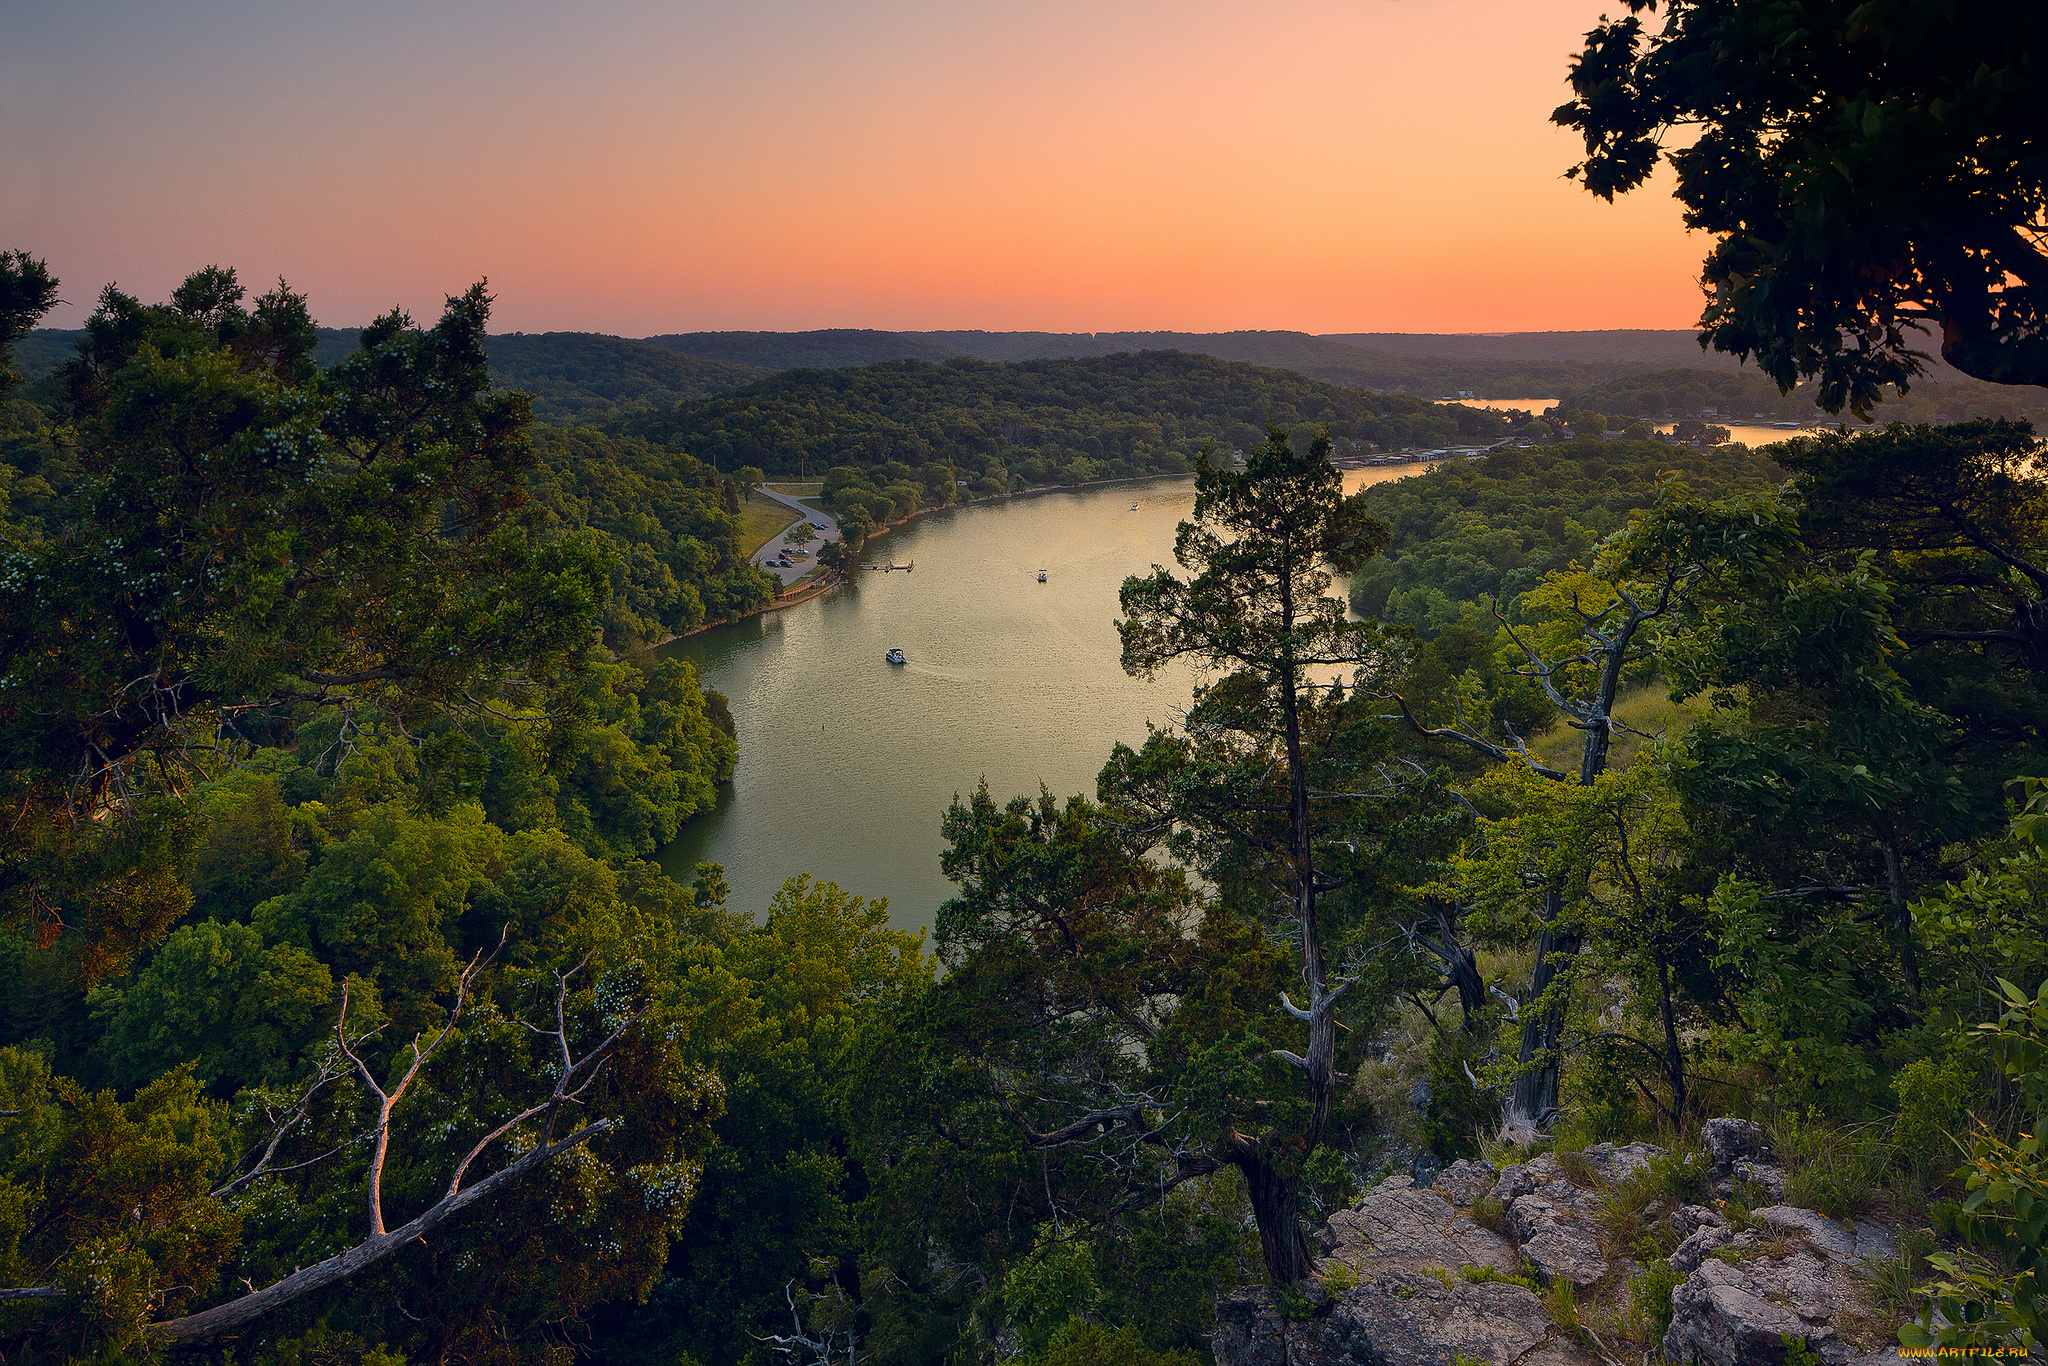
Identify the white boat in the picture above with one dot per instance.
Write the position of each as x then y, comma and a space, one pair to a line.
895, 656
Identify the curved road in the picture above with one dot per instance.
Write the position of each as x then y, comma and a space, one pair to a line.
765, 557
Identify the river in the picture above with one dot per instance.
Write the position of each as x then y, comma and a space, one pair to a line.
848, 763
1748, 433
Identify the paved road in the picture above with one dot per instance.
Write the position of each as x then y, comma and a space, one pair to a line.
788, 574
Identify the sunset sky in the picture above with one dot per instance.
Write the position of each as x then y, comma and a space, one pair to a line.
637, 167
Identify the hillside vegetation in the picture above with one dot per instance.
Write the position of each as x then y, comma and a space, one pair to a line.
1037, 422
1747, 396
1468, 534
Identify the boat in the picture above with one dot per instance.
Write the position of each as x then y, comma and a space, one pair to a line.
895, 656
1134, 507
1041, 576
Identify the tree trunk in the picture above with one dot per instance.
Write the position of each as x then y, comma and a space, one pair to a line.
1533, 1099
1674, 1056
1902, 914
1463, 970
1276, 1206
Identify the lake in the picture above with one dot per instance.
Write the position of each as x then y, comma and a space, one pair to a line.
848, 763
1748, 433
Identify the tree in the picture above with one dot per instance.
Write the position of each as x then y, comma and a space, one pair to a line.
27, 292
800, 534
1871, 171
253, 536
749, 478
1255, 605
1962, 511
1614, 851
592, 1074
1588, 633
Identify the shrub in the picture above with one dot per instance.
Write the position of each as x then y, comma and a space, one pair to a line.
1931, 1099
1649, 1302
1490, 1214
1456, 1110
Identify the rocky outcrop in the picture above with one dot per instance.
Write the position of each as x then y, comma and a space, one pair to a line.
1729, 1141
1551, 1217
1402, 1258
1847, 1244
1395, 1321
1408, 1249
1791, 1279
1614, 1165
1760, 1177
1397, 1223
1465, 1181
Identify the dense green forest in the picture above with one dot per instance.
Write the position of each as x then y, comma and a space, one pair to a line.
590, 377
344, 1017
1747, 396
1472, 533
573, 377
1002, 426
1415, 369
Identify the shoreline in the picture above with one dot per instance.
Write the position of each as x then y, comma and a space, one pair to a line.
826, 585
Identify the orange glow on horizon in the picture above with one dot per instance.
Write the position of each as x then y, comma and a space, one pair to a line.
638, 168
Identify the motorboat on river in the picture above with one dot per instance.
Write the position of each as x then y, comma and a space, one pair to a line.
895, 656
1041, 576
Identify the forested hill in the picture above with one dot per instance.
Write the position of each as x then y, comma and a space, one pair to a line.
1747, 396
573, 376
1039, 421
1337, 360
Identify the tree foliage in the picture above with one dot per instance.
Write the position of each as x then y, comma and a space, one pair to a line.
1871, 173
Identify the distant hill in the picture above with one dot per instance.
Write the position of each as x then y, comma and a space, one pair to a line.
596, 378
1334, 360
1747, 397
573, 376
1039, 421
1632, 346
831, 349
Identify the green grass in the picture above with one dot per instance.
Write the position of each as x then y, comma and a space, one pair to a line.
761, 519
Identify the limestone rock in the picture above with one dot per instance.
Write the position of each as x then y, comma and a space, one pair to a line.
1707, 1239
1566, 1250
1554, 1226
1519, 1178
1396, 1222
1844, 1244
1687, 1220
1411, 1307
1465, 1181
1764, 1177
1250, 1329
1402, 1316
1729, 1141
1744, 1313
1614, 1164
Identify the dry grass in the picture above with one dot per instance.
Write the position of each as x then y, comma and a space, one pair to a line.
1390, 1074
1647, 709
